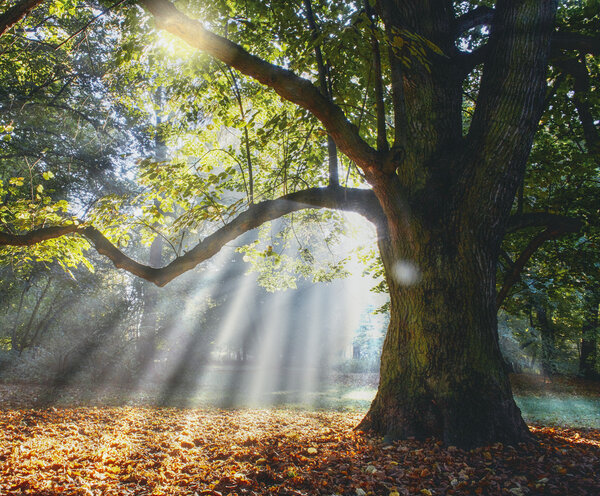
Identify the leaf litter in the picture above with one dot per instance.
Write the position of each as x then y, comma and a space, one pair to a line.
168, 451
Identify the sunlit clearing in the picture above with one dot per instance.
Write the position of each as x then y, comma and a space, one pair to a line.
267, 374
178, 363
238, 310
212, 337
361, 395
314, 358
562, 411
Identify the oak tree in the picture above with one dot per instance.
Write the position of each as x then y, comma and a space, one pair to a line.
440, 168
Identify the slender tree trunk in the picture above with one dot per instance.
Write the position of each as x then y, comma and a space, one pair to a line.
441, 367
25, 340
14, 341
548, 337
149, 326
147, 344
589, 340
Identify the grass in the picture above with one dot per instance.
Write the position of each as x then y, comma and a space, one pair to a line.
560, 401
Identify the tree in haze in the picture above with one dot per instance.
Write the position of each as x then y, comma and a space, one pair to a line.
434, 106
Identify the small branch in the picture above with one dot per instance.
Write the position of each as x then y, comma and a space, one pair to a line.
514, 273
382, 143
581, 87
398, 101
553, 89
318, 54
326, 91
89, 23
557, 226
238, 96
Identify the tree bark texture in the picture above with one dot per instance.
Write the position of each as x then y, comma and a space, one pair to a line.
447, 208
441, 367
17, 12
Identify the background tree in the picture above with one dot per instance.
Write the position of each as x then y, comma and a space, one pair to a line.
559, 286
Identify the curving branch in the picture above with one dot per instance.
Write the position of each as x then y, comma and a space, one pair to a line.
287, 84
556, 226
17, 12
362, 201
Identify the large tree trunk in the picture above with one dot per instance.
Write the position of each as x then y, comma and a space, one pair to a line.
446, 199
441, 368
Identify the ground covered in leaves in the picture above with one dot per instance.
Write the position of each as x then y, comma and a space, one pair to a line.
138, 450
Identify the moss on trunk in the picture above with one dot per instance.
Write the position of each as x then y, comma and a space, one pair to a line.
441, 368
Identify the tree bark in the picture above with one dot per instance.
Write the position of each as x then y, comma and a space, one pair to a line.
441, 367
17, 12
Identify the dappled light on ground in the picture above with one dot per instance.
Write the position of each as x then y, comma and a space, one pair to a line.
135, 450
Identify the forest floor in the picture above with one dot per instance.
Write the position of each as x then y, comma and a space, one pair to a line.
85, 449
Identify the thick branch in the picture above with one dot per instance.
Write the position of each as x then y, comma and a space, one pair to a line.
510, 102
581, 43
287, 84
576, 41
361, 201
543, 219
13, 15
581, 86
477, 17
